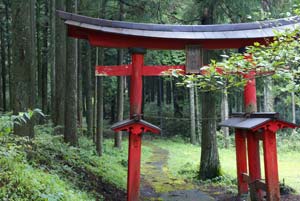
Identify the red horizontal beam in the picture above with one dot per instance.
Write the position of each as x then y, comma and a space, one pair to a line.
125, 70
159, 70
121, 70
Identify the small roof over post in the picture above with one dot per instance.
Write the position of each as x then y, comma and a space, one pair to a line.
257, 121
110, 33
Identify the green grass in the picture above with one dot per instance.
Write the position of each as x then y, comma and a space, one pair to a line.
184, 160
289, 163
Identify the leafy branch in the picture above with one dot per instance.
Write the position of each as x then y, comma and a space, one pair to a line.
279, 59
8, 121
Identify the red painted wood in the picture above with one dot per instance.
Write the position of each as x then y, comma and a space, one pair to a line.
271, 166
159, 70
136, 84
125, 70
250, 93
134, 158
241, 160
254, 162
121, 70
134, 162
274, 126
98, 38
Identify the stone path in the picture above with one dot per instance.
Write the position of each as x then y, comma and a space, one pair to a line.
158, 184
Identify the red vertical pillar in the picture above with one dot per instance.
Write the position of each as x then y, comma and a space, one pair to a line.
252, 141
254, 165
135, 139
250, 93
271, 166
241, 160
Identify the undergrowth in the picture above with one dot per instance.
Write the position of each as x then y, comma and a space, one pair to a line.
49, 151
21, 181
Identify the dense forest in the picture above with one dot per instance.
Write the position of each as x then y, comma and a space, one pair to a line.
55, 114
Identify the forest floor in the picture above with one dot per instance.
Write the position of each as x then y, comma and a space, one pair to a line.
158, 183
48, 169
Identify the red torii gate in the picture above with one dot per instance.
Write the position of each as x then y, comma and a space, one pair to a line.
135, 126
193, 38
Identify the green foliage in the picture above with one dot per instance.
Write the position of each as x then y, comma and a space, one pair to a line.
50, 151
279, 58
289, 140
7, 121
21, 181
6, 124
25, 117
165, 57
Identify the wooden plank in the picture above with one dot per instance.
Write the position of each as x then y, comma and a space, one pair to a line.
194, 59
122, 70
271, 166
254, 164
126, 70
241, 161
160, 70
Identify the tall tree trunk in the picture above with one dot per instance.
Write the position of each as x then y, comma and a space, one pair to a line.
2, 66
293, 108
198, 115
268, 95
178, 96
120, 92
39, 51
94, 80
120, 101
192, 115
79, 87
45, 56
60, 68
152, 96
8, 55
210, 164
160, 103
100, 104
113, 110
100, 93
224, 116
89, 95
24, 60
52, 57
70, 131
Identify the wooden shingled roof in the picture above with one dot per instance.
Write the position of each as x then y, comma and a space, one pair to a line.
80, 25
252, 121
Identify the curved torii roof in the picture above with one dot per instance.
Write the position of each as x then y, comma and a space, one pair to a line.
119, 34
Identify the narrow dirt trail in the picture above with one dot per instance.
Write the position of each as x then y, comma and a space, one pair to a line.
158, 184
